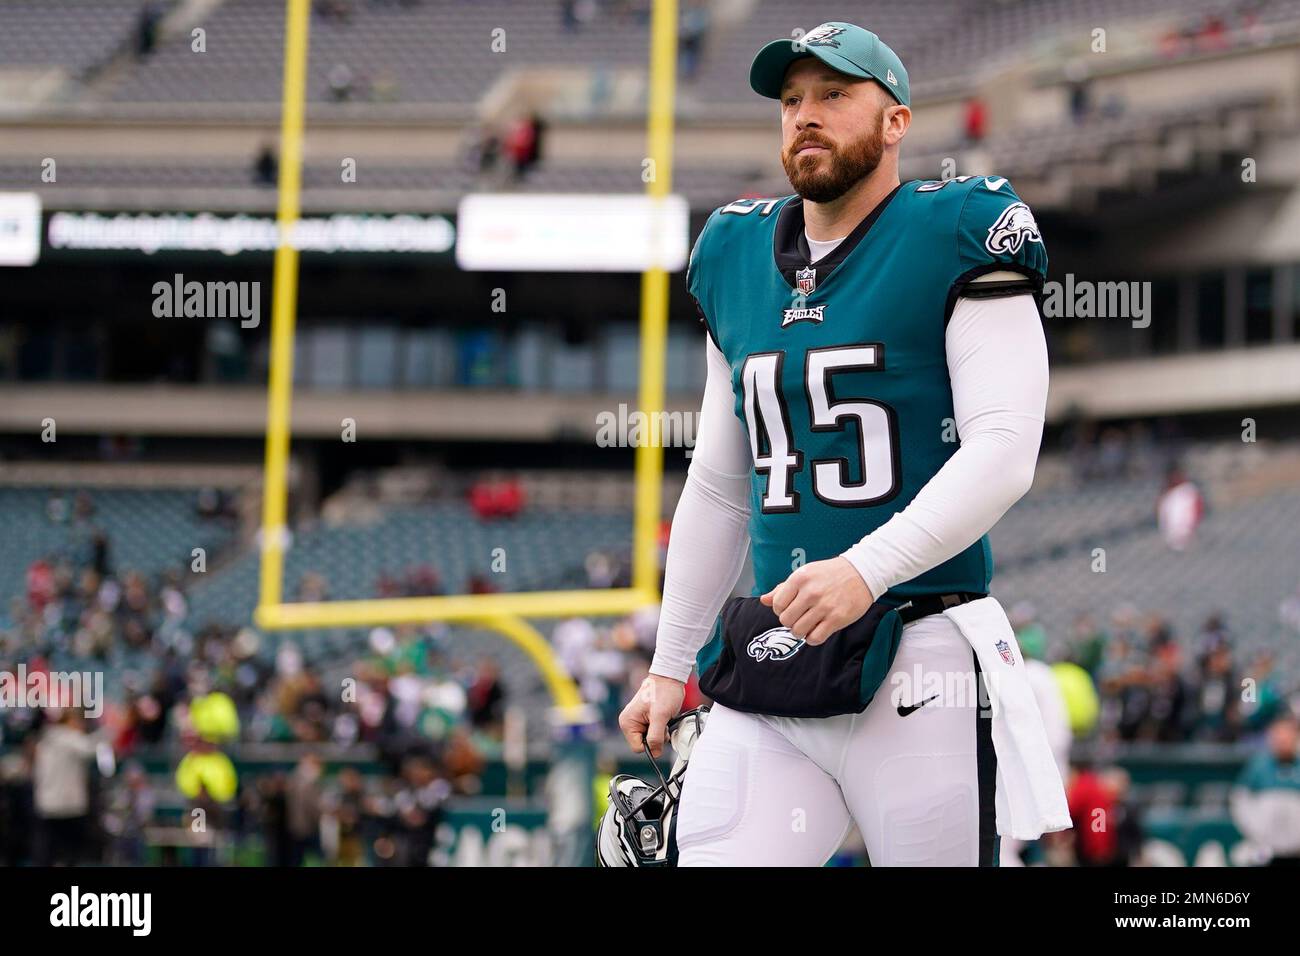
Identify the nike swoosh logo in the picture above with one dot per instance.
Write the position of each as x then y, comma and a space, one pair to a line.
994, 183
904, 711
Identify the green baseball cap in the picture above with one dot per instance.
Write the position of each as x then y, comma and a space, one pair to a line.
841, 46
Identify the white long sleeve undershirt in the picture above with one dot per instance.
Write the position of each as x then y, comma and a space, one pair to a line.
997, 364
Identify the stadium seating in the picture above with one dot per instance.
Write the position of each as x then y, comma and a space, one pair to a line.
38, 32
150, 531
424, 49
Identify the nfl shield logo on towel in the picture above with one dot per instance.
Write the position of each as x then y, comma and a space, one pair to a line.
1004, 649
806, 280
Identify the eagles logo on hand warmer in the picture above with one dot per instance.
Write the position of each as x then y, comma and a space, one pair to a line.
778, 644
755, 664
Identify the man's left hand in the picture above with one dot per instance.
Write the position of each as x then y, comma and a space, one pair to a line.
819, 598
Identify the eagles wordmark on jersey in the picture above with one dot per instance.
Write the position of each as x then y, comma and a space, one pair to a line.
839, 367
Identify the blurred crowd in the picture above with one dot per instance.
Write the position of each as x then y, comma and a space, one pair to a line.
1129, 680
184, 697
76, 791
1154, 688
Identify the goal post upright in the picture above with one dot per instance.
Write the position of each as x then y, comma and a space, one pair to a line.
654, 300
284, 307
501, 612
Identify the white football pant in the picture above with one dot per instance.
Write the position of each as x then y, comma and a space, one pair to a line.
783, 791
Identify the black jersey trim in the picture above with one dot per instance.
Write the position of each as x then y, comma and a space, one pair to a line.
997, 290
790, 247
961, 286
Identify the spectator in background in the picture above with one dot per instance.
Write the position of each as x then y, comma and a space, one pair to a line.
1179, 509
146, 32
1213, 34
523, 144
303, 809
1088, 644
61, 789
130, 812
1127, 699
272, 809
573, 639
600, 568
486, 696
1107, 831
17, 813
418, 807
1217, 697
694, 30
577, 14
478, 584
334, 11
342, 82
1214, 637
1168, 718
266, 168
1076, 78
482, 150
1091, 804
496, 498
1265, 803
40, 584
1127, 818
343, 810
974, 121
423, 581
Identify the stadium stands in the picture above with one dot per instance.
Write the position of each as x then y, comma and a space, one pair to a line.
40, 32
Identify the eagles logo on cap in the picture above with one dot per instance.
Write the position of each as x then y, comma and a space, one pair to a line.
823, 35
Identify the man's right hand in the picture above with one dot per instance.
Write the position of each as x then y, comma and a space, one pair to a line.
645, 719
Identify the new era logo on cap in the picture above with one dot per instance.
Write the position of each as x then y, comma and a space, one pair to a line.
891, 78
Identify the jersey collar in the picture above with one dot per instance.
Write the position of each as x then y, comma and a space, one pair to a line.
790, 247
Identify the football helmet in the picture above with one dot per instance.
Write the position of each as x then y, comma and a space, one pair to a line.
639, 827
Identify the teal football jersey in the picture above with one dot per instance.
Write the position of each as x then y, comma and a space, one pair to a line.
838, 366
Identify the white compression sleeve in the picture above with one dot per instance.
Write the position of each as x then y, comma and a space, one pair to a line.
997, 362
710, 537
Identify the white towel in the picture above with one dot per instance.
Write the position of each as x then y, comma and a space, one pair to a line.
1030, 798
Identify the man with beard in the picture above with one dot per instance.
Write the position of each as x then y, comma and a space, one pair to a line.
877, 381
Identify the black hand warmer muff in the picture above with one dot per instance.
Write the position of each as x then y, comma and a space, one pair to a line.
754, 664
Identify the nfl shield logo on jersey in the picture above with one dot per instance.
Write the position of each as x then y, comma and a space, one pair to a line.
806, 280
1004, 650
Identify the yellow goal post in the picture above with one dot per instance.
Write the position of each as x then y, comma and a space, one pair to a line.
504, 613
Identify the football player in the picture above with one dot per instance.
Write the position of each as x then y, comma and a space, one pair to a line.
874, 403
